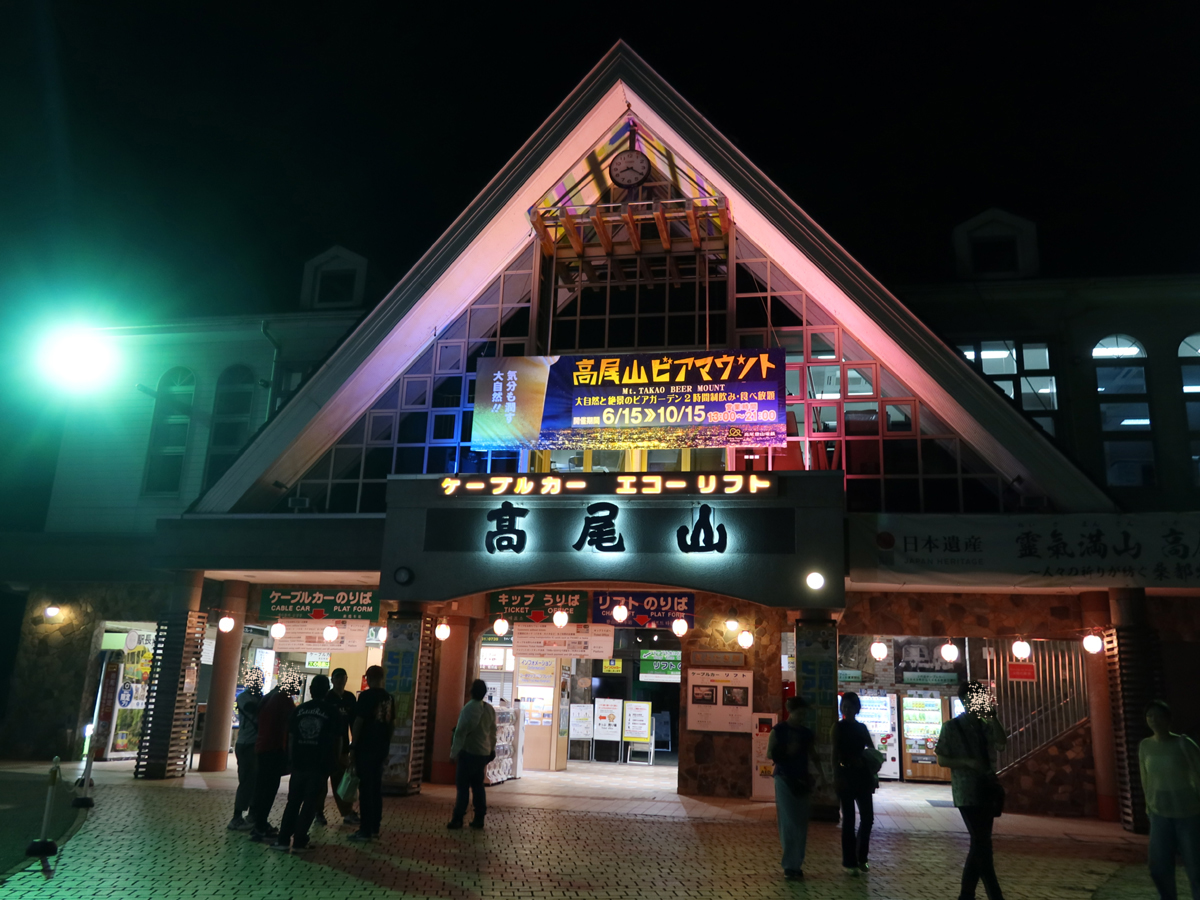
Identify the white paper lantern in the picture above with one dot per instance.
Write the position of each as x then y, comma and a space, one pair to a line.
949, 652
330, 633
500, 626
879, 651
1093, 643
1021, 649
560, 618
442, 631
745, 640
278, 630
225, 625
620, 613
680, 627
381, 635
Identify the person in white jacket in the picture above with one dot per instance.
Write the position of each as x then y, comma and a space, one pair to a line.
473, 747
1170, 769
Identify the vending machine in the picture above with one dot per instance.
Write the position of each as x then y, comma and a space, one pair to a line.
921, 720
879, 715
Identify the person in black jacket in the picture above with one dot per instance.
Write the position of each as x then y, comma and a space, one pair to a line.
314, 738
788, 747
855, 782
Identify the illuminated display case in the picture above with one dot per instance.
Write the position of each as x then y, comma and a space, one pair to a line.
503, 767
921, 723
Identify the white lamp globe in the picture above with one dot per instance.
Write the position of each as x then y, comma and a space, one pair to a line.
1093, 643
225, 625
815, 580
879, 651
500, 626
620, 613
560, 618
680, 627
442, 631
1021, 649
330, 633
745, 640
949, 652
278, 630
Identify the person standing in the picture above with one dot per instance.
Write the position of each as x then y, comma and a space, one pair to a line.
967, 746
371, 740
1170, 769
855, 783
345, 702
789, 746
314, 740
271, 751
248, 702
472, 748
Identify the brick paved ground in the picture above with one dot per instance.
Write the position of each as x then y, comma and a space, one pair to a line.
155, 842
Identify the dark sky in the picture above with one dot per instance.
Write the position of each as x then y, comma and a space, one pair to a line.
168, 159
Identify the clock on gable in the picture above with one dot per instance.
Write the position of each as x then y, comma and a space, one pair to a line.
629, 168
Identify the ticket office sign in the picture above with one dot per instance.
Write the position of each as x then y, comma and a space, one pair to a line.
727, 398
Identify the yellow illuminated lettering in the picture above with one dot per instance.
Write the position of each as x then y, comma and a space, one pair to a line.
626, 484
475, 485
500, 485
584, 371
450, 485
757, 483
660, 369
707, 483
575, 485
652, 484
733, 483
676, 485
703, 365
634, 374
551, 485
727, 362
610, 370
523, 486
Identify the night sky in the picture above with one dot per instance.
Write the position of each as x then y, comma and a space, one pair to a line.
160, 160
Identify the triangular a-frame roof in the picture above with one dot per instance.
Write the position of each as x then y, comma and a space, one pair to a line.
496, 225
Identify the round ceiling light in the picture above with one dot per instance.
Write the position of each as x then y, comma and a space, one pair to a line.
815, 580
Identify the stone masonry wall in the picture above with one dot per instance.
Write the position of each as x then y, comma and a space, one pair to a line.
1058, 780
717, 764
56, 670
961, 615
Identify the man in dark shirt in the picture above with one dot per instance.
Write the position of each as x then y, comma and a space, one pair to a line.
345, 702
271, 752
248, 702
314, 732
374, 720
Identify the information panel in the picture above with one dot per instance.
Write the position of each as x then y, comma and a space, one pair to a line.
308, 636
660, 665
720, 700
728, 398
574, 641
581, 721
608, 719
637, 722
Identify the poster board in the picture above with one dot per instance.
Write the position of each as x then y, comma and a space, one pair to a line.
573, 641
637, 722
720, 700
816, 682
762, 769
607, 722
308, 635
401, 668
581, 721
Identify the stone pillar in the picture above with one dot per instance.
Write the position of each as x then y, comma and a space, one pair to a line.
1094, 609
449, 695
227, 657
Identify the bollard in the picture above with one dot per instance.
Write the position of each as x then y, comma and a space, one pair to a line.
43, 847
83, 801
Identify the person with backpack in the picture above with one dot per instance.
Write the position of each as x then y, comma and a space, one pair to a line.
967, 746
1170, 770
788, 747
314, 740
854, 768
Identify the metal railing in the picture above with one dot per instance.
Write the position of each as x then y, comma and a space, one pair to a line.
1037, 712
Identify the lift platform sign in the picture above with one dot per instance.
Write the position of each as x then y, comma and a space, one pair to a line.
725, 398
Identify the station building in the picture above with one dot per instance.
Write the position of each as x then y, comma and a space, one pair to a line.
967, 480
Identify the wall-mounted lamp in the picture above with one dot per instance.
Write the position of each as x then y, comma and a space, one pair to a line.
51, 611
815, 580
442, 631
745, 640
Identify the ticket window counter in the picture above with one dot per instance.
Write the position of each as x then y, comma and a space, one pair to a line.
543, 689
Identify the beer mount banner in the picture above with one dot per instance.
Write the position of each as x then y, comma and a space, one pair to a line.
290, 602
1081, 551
732, 398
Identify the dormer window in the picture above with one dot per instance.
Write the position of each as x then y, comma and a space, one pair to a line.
336, 279
994, 255
996, 244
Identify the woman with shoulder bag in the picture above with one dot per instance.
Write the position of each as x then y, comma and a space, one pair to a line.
967, 746
788, 748
854, 768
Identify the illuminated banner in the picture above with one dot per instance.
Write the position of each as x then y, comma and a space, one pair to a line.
731, 398
530, 605
291, 602
617, 485
643, 609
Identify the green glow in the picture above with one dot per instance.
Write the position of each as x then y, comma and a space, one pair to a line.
77, 360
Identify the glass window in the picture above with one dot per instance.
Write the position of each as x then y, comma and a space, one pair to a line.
1005, 385
1120, 380
1125, 416
1038, 392
608, 460
1035, 356
169, 431
1190, 346
1129, 463
899, 417
861, 418
968, 351
230, 421
822, 345
860, 381
1193, 415
999, 357
823, 419
824, 382
1191, 379
1118, 346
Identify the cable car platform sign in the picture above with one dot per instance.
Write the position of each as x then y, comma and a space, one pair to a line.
757, 546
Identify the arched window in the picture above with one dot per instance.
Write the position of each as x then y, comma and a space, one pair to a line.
1124, 411
169, 431
230, 422
1189, 353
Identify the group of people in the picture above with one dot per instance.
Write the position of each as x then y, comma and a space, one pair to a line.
319, 741
967, 746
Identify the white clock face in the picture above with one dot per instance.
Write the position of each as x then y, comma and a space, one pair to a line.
629, 168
